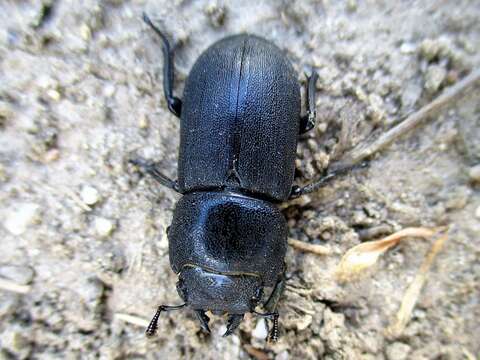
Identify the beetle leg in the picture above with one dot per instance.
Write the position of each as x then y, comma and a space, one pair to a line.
271, 304
273, 316
233, 322
174, 103
298, 191
152, 327
204, 319
151, 169
307, 122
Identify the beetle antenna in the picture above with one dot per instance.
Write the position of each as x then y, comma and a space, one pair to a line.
273, 316
153, 326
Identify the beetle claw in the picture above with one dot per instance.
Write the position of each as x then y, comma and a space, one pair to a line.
232, 324
204, 319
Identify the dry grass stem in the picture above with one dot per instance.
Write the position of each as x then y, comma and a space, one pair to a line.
411, 295
360, 152
132, 319
10, 286
256, 353
365, 255
311, 248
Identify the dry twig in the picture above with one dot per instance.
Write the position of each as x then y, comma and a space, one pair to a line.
11, 286
256, 353
132, 319
360, 153
312, 248
411, 295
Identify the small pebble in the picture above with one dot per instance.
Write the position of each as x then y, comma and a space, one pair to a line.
54, 94
474, 173
21, 275
376, 110
322, 127
260, 331
89, 195
284, 355
407, 48
352, 5
6, 113
109, 90
458, 198
397, 351
216, 14
143, 122
15, 342
104, 227
434, 78
410, 95
304, 322
326, 235
429, 49
9, 303
51, 155
20, 218
359, 218
85, 32
477, 213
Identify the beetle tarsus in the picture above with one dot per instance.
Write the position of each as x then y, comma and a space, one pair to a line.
273, 316
204, 319
233, 322
153, 326
174, 103
308, 121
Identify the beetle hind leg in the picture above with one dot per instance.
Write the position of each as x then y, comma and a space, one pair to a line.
174, 103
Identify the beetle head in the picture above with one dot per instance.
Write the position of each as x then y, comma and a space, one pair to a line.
234, 295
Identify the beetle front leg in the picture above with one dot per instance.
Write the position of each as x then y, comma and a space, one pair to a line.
307, 122
298, 191
151, 169
174, 103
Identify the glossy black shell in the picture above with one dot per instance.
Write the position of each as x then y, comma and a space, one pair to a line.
228, 234
240, 120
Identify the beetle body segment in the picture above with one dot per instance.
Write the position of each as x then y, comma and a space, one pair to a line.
228, 234
240, 119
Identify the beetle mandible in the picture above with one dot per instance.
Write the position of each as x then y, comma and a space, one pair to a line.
240, 121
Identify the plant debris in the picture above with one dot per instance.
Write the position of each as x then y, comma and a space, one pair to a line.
411, 295
312, 248
365, 255
362, 152
132, 319
11, 286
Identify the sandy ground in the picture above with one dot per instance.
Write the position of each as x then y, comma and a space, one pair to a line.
83, 233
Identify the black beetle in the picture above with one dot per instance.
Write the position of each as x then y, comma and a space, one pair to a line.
240, 121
